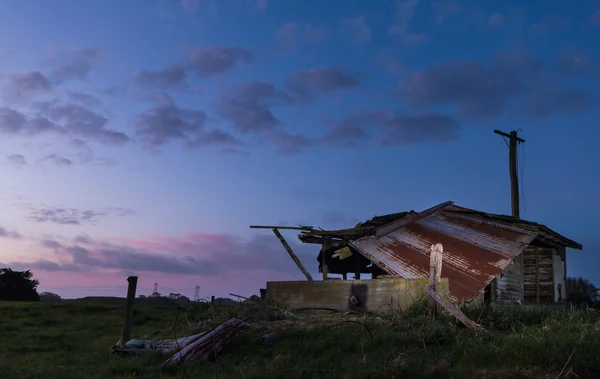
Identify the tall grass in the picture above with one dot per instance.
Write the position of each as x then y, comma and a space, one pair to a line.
73, 341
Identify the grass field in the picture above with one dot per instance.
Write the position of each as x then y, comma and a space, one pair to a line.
72, 340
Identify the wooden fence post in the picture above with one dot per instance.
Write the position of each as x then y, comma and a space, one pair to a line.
131, 288
435, 274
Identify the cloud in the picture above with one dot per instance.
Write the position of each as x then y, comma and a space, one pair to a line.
209, 61
77, 120
172, 77
310, 83
85, 154
16, 160
57, 159
289, 143
75, 64
356, 30
247, 106
487, 90
71, 216
393, 129
7, 234
190, 254
163, 124
496, 20
544, 102
51, 244
28, 84
84, 98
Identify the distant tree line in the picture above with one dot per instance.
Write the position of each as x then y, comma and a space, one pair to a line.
580, 290
18, 286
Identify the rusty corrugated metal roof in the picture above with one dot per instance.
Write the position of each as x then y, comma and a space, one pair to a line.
476, 248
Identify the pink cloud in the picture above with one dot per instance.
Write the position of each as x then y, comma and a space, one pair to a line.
219, 263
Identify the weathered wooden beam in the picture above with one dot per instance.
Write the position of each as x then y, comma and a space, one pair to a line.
342, 233
128, 317
453, 310
306, 238
435, 274
408, 219
326, 245
292, 254
305, 228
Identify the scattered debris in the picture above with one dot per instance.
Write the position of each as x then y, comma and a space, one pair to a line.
208, 345
136, 346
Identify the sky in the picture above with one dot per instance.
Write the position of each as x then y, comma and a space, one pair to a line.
145, 137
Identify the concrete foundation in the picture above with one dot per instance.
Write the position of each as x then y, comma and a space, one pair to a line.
384, 295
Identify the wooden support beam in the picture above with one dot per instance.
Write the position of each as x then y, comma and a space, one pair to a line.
292, 254
453, 310
435, 274
128, 317
305, 228
324, 248
357, 266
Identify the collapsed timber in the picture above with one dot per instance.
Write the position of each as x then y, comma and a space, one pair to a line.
206, 345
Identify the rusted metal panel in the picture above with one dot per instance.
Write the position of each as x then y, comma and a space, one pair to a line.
476, 250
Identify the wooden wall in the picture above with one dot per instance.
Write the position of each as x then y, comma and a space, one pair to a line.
509, 285
538, 274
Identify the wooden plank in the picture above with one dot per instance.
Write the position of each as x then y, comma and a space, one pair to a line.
127, 319
453, 310
325, 247
435, 274
305, 228
292, 254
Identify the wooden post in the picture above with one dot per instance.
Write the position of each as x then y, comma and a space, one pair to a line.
357, 266
514, 139
131, 288
326, 245
435, 274
560, 298
292, 254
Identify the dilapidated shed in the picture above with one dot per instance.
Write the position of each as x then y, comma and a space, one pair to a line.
487, 257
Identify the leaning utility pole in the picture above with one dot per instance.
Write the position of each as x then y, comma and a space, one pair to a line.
514, 139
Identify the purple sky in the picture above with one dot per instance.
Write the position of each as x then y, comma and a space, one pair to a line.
144, 137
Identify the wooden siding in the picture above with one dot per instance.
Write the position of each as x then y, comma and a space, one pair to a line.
538, 274
509, 287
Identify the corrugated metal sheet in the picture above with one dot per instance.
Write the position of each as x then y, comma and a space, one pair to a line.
476, 249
